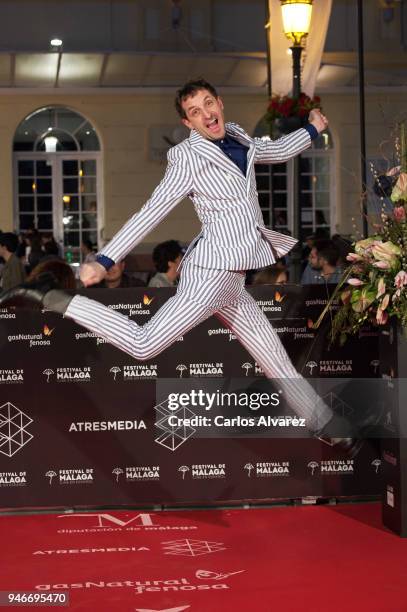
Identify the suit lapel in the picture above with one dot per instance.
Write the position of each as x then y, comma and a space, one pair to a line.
239, 134
214, 154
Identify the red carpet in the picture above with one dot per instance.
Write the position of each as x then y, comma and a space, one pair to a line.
319, 558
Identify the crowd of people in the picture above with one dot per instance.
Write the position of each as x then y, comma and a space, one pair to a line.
27, 256
323, 262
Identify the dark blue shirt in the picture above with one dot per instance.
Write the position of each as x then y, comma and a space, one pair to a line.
235, 150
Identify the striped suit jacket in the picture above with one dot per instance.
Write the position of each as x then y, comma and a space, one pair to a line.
233, 235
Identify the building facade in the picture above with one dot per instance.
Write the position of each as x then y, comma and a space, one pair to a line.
107, 96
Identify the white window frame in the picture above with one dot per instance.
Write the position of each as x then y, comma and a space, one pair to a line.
56, 159
333, 213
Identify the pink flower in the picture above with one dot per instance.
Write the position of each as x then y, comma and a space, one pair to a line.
400, 279
399, 213
385, 251
381, 314
356, 282
354, 257
381, 287
385, 302
393, 171
363, 246
400, 188
383, 265
381, 317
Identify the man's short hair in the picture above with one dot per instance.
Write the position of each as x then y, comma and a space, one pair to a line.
328, 251
165, 252
190, 89
10, 241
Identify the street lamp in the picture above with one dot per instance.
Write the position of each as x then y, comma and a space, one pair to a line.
296, 19
296, 16
296, 23
50, 144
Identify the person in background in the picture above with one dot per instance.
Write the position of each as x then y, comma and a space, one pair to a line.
116, 278
50, 247
167, 257
323, 264
22, 246
272, 275
59, 269
87, 251
33, 252
320, 234
13, 272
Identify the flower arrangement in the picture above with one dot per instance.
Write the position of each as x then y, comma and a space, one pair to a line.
374, 286
287, 106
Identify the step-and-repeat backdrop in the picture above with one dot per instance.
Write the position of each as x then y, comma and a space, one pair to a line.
83, 424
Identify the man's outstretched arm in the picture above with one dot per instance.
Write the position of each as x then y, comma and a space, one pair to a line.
286, 147
173, 188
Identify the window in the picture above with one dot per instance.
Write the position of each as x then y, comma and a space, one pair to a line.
57, 178
72, 131
274, 186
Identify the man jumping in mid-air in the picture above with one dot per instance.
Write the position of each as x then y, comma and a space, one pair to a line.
214, 167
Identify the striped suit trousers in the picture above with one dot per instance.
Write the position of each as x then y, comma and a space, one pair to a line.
202, 293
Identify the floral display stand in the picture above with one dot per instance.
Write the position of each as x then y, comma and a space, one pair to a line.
373, 290
393, 368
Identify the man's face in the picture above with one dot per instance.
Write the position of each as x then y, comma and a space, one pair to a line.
204, 113
314, 259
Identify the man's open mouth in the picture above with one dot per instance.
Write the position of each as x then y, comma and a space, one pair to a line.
212, 124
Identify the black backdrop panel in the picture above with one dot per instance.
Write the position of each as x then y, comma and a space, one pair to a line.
78, 419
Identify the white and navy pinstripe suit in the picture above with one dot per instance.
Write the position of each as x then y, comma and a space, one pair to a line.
233, 239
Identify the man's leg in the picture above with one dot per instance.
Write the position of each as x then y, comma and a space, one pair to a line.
200, 293
175, 318
252, 328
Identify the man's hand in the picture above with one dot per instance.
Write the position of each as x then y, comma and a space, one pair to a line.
318, 120
92, 273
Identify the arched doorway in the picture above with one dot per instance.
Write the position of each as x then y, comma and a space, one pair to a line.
57, 178
317, 201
